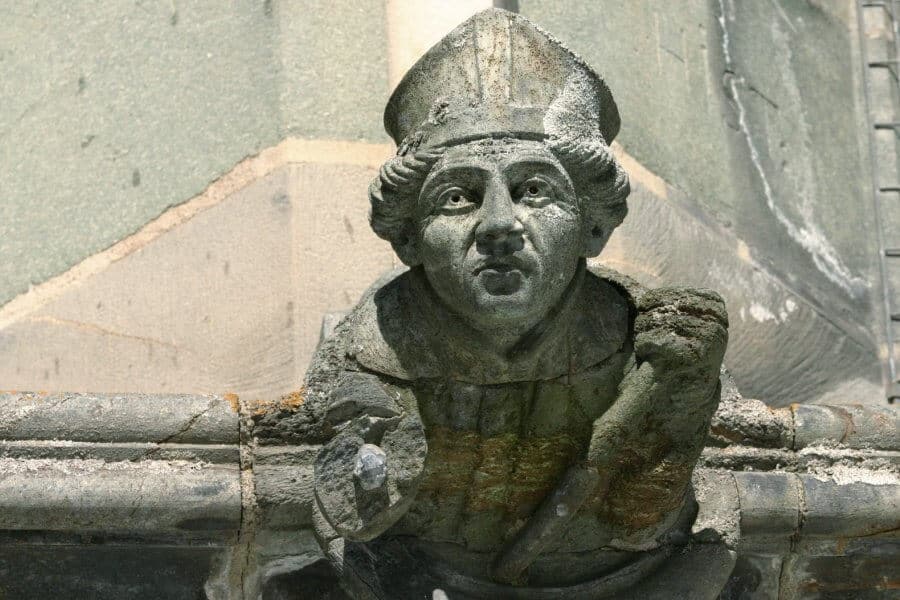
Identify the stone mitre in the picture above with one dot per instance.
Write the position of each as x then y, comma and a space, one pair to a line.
499, 75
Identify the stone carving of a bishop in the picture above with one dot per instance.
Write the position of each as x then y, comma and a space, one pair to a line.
501, 420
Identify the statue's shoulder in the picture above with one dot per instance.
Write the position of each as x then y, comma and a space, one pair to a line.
628, 288
355, 353
386, 332
643, 299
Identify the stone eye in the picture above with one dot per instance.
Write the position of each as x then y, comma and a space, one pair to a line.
455, 200
536, 192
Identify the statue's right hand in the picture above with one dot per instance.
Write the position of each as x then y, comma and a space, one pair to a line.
366, 477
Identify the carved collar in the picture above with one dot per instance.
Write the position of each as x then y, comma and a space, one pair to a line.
402, 330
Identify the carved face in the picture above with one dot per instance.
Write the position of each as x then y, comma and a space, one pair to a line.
499, 231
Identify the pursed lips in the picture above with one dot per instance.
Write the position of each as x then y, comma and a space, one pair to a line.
502, 265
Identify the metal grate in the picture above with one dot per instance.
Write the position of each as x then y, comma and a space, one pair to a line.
879, 39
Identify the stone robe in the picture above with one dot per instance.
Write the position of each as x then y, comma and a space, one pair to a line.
500, 429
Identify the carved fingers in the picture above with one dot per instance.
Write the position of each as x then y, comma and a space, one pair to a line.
681, 331
665, 403
646, 444
622, 429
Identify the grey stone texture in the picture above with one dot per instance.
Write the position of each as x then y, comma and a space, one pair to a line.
164, 114
212, 305
524, 413
751, 422
112, 113
177, 419
114, 496
823, 528
748, 154
753, 115
108, 571
54, 447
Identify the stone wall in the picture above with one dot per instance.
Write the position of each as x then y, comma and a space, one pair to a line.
184, 189
752, 114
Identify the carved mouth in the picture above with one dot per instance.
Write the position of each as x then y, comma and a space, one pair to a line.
495, 269
501, 283
500, 266
501, 277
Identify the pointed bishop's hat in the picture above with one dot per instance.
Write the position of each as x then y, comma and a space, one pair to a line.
499, 75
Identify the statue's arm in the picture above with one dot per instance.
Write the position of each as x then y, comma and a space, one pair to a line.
367, 474
642, 449
649, 440
667, 400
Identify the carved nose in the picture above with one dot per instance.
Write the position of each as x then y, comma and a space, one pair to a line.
499, 230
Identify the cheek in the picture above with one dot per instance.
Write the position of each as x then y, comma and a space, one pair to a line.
555, 232
442, 240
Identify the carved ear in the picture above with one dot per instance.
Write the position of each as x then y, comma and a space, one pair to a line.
407, 249
595, 240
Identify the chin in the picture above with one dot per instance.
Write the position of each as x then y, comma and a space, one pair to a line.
506, 307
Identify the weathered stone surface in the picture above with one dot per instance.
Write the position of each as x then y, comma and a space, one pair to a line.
780, 511
851, 426
212, 305
824, 460
102, 524
315, 581
738, 125
175, 419
860, 506
740, 420
120, 465
332, 69
682, 125
155, 497
770, 504
755, 577
750, 422
718, 518
500, 455
145, 126
529, 412
861, 577
104, 571
284, 495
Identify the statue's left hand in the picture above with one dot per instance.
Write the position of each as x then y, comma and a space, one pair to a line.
666, 402
682, 332
367, 475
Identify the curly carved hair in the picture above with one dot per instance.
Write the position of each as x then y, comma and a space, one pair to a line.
601, 186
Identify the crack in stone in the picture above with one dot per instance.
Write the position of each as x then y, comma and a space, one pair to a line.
187, 426
808, 236
93, 328
768, 100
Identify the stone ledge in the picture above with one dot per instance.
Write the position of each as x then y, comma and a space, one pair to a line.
146, 497
749, 422
109, 418
142, 471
